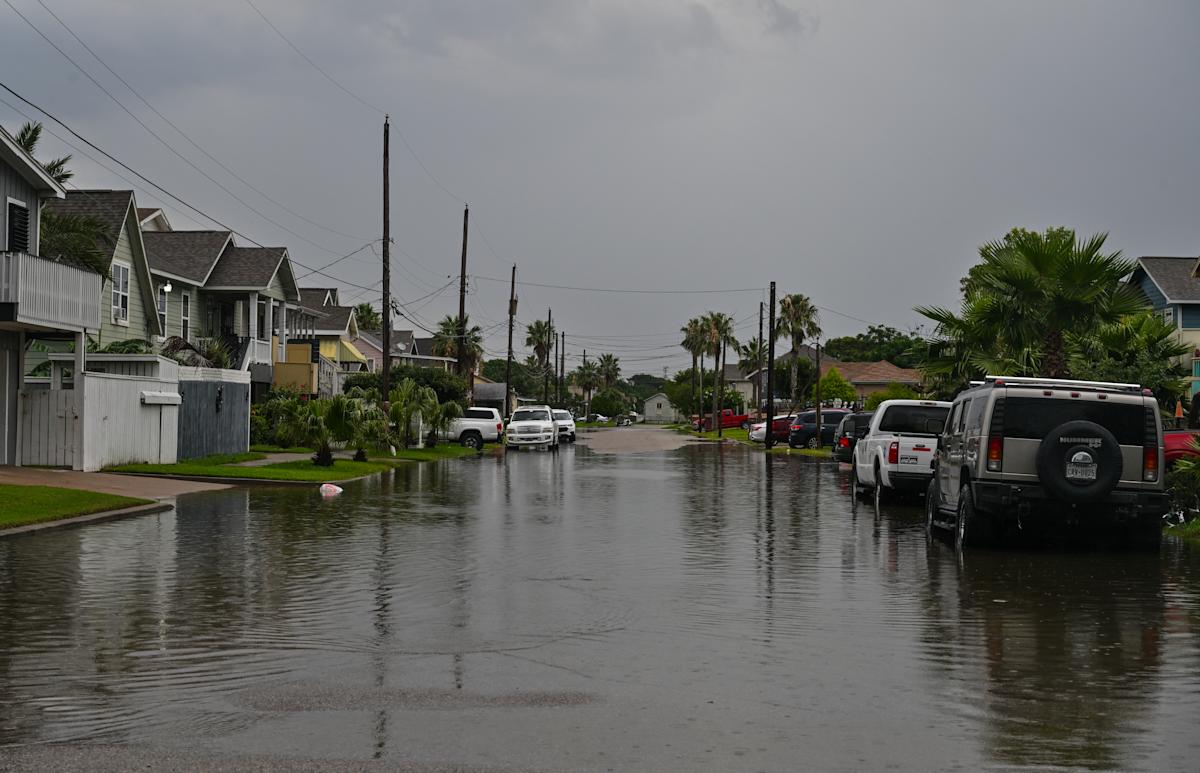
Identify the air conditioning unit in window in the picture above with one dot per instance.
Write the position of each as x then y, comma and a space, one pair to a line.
120, 315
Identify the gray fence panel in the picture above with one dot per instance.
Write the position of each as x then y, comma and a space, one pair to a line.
205, 429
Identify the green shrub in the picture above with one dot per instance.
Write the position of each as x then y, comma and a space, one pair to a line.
447, 386
892, 391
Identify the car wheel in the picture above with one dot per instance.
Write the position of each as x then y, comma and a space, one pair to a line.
970, 528
572, 437
745, 425
931, 508
880, 493
471, 440
813, 443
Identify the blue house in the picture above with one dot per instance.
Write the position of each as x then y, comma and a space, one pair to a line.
1172, 286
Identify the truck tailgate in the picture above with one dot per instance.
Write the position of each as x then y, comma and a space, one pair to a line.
916, 453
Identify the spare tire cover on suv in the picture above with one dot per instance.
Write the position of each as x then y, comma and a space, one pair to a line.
1081, 442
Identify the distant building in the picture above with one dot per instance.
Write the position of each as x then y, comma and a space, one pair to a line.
658, 409
1172, 290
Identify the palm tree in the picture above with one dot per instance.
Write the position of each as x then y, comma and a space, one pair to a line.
368, 318
28, 136
750, 360
307, 425
694, 342
405, 404
719, 335
587, 378
798, 321
466, 347
1030, 292
609, 368
540, 337
205, 353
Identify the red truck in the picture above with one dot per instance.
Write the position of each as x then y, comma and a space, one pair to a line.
729, 420
1179, 443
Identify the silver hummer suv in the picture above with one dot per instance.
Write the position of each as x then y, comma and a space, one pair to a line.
1025, 453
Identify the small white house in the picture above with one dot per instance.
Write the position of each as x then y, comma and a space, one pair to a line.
659, 410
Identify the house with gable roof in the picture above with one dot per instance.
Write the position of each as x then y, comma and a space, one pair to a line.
1171, 286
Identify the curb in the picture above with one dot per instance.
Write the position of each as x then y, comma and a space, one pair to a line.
80, 520
244, 481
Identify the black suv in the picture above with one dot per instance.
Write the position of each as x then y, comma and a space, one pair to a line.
848, 433
803, 433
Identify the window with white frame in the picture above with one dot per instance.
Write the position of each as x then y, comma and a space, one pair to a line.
1168, 315
185, 316
120, 293
162, 309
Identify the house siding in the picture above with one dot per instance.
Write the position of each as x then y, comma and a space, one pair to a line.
1188, 316
137, 327
1157, 299
12, 184
275, 288
175, 308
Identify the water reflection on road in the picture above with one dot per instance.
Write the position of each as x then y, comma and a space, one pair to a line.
702, 609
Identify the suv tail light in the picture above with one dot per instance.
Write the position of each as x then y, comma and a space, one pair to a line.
894, 453
499, 427
1150, 449
844, 441
995, 454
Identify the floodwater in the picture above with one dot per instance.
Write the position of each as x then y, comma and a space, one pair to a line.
693, 610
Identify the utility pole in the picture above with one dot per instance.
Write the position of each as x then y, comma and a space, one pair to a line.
769, 440
758, 367
512, 312
462, 305
587, 406
562, 369
556, 400
817, 396
718, 419
385, 377
546, 362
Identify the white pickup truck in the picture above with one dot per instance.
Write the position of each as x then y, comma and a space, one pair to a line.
476, 427
898, 450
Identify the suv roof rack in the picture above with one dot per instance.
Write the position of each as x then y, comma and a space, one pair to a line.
1062, 383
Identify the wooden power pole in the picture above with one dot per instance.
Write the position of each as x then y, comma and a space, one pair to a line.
758, 363
462, 304
817, 397
385, 377
769, 441
512, 312
545, 362
562, 370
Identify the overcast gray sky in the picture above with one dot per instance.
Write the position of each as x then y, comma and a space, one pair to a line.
857, 152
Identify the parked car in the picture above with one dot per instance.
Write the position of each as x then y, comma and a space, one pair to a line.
729, 420
532, 425
780, 426
897, 452
803, 431
848, 433
477, 426
1179, 444
566, 425
1027, 453
597, 418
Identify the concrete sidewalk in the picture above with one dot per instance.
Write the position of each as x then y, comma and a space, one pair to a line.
142, 486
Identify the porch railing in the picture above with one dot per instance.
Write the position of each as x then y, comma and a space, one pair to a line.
50, 294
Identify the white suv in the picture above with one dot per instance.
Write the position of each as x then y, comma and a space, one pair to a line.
566, 425
533, 425
477, 426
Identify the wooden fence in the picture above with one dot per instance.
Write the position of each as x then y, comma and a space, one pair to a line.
214, 417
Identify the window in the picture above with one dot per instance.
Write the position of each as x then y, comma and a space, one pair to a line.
18, 226
162, 309
531, 415
975, 414
1168, 315
658, 406
185, 317
1033, 418
965, 406
914, 419
478, 413
120, 293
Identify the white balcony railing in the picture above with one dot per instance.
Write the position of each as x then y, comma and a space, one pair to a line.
260, 352
49, 294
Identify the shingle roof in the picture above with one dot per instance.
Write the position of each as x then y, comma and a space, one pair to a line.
246, 267
423, 346
1174, 277
145, 212
882, 372
109, 208
334, 317
313, 297
401, 340
189, 254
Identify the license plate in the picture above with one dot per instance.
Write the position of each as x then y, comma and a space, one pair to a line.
908, 460
1081, 471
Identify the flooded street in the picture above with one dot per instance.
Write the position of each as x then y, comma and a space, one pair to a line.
702, 608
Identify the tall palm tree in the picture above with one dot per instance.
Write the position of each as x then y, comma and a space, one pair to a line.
1030, 292
540, 337
751, 358
28, 136
694, 342
719, 335
609, 367
467, 347
799, 321
368, 317
587, 378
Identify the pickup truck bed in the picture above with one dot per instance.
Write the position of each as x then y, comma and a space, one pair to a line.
1178, 444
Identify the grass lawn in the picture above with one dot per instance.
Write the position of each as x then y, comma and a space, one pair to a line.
440, 451
1189, 530
816, 453
269, 449
34, 504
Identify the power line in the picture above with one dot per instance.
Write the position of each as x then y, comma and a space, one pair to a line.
625, 290
331, 264
185, 135
155, 135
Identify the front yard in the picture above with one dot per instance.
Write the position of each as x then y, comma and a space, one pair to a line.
35, 504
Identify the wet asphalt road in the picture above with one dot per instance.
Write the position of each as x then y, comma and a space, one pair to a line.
697, 609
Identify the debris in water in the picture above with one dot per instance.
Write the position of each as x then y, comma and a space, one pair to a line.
330, 490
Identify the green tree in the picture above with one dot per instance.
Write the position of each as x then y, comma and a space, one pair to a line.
835, 387
525, 381
696, 344
892, 391
609, 367
752, 356
1139, 349
610, 402
880, 342
447, 385
643, 385
28, 137
465, 346
539, 336
799, 321
368, 318
719, 336
587, 378
1031, 291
